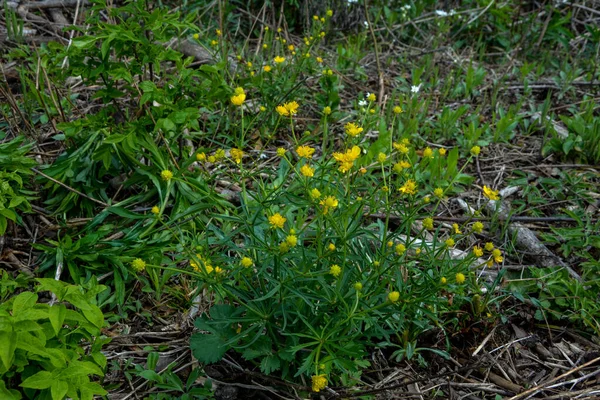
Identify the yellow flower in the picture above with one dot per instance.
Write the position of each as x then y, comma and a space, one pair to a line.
371, 97
428, 223
155, 210
426, 199
328, 203
212, 159
335, 270
460, 278
449, 242
138, 265
249, 64
279, 60
331, 247
442, 151
410, 187
401, 147
319, 382
218, 32
478, 251
219, 154
208, 268
315, 194
237, 155
319, 60
400, 249
497, 254
327, 110
196, 36
214, 43
288, 109
475, 150
358, 286
352, 129
477, 227
219, 270
238, 99
277, 220
428, 153
400, 166
394, 296
246, 262
443, 280
346, 160
265, 46
291, 240
305, 151
490, 193
267, 68
456, 229
201, 156
329, 13
362, 170
397, 110
438, 192
166, 175
489, 246
280, 151
307, 171
283, 247
381, 157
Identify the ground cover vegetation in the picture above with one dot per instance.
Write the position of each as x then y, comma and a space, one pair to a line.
288, 199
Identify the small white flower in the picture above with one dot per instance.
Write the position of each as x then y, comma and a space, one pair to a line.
441, 13
452, 12
362, 103
366, 24
352, 1
406, 6
415, 89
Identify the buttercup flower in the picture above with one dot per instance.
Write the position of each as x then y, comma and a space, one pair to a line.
477, 227
428, 223
394, 296
401, 147
460, 278
267, 68
442, 151
315, 194
305, 151
410, 187
497, 254
238, 99
288, 109
346, 160
138, 265
397, 110
478, 251
279, 59
358, 286
155, 210
381, 158
237, 155
489, 246
443, 280
277, 220
327, 110
201, 157
400, 249
456, 229
335, 270
449, 242
490, 193
475, 150
319, 382
331, 247
291, 240
280, 151
328, 203
371, 97
352, 129
438, 192
307, 171
428, 153
166, 175
246, 262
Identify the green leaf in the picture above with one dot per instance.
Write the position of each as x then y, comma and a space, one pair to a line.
90, 389
208, 347
270, 363
51, 285
10, 214
8, 344
59, 390
24, 301
95, 316
57, 314
41, 380
7, 394
3, 224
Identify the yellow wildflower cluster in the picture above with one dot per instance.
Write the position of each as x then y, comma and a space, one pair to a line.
237, 155
138, 265
328, 203
490, 193
239, 96
409, 187
277, 221
305, 151
352, 129
319, 382
288, 109
346, 160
